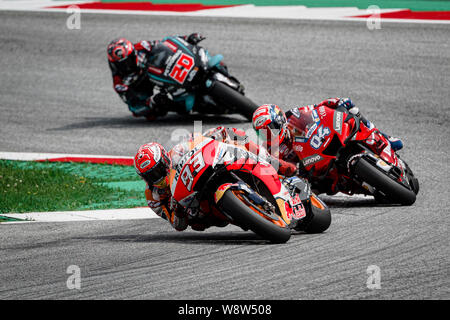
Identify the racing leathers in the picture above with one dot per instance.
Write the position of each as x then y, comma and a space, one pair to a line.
284, 151
163, 204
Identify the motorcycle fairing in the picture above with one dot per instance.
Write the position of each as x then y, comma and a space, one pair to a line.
214, 61
168, 54
318, 134
191, 166
320, 161
180, 43
205, 153
290, 209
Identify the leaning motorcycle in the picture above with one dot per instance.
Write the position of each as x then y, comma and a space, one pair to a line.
341, 154
196, 81
233, 185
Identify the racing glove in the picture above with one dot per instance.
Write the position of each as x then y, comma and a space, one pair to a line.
157, 104
287, 169
347, 103
179, 217
350, 106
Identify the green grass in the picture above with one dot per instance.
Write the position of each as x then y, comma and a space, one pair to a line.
27, 186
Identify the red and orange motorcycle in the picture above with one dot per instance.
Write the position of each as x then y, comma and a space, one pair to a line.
233, 185
342, 154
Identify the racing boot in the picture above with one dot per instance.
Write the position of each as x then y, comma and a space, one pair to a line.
396, 143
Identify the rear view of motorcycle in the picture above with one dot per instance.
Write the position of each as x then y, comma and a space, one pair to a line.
196, 81
342, 154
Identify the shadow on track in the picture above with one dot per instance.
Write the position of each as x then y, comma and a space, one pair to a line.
171, 119
202, 238
349, 202
341, 202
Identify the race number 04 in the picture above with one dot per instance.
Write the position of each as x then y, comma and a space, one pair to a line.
317, 139
182, 67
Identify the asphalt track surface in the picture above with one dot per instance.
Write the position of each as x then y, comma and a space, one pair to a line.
56, 96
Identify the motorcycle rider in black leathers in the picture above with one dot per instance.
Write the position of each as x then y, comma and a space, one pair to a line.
129, 64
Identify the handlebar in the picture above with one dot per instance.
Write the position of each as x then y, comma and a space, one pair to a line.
357, 119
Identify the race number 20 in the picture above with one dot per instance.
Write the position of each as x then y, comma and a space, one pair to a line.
181, 68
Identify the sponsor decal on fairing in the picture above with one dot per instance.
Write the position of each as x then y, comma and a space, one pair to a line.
312, 159
337, 121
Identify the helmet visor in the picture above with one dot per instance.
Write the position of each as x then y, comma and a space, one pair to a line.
300, 125
155, 175
128, 65
272, 132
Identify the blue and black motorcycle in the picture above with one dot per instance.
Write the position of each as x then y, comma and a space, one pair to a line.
196, 81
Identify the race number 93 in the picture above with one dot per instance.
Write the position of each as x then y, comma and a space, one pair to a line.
181, 68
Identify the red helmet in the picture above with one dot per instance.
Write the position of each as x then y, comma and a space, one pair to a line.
270, 123
152, 163
122, 54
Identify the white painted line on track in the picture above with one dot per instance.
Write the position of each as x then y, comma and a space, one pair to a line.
85, 215
33, 156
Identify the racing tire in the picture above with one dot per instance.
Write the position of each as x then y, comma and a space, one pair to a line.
245, 217
321, 216
413, 181
388, 190
232, 98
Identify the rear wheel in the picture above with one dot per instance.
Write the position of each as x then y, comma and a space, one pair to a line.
387, 189
244, 215
233, 99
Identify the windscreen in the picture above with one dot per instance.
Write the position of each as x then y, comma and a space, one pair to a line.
301, 121
159, 55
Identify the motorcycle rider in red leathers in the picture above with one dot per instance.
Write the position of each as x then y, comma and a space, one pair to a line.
272, 126
152, 162
129, 64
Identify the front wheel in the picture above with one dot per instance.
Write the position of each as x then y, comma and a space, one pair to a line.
320, 216
235, 206
233, 99
413, 181
386, 187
